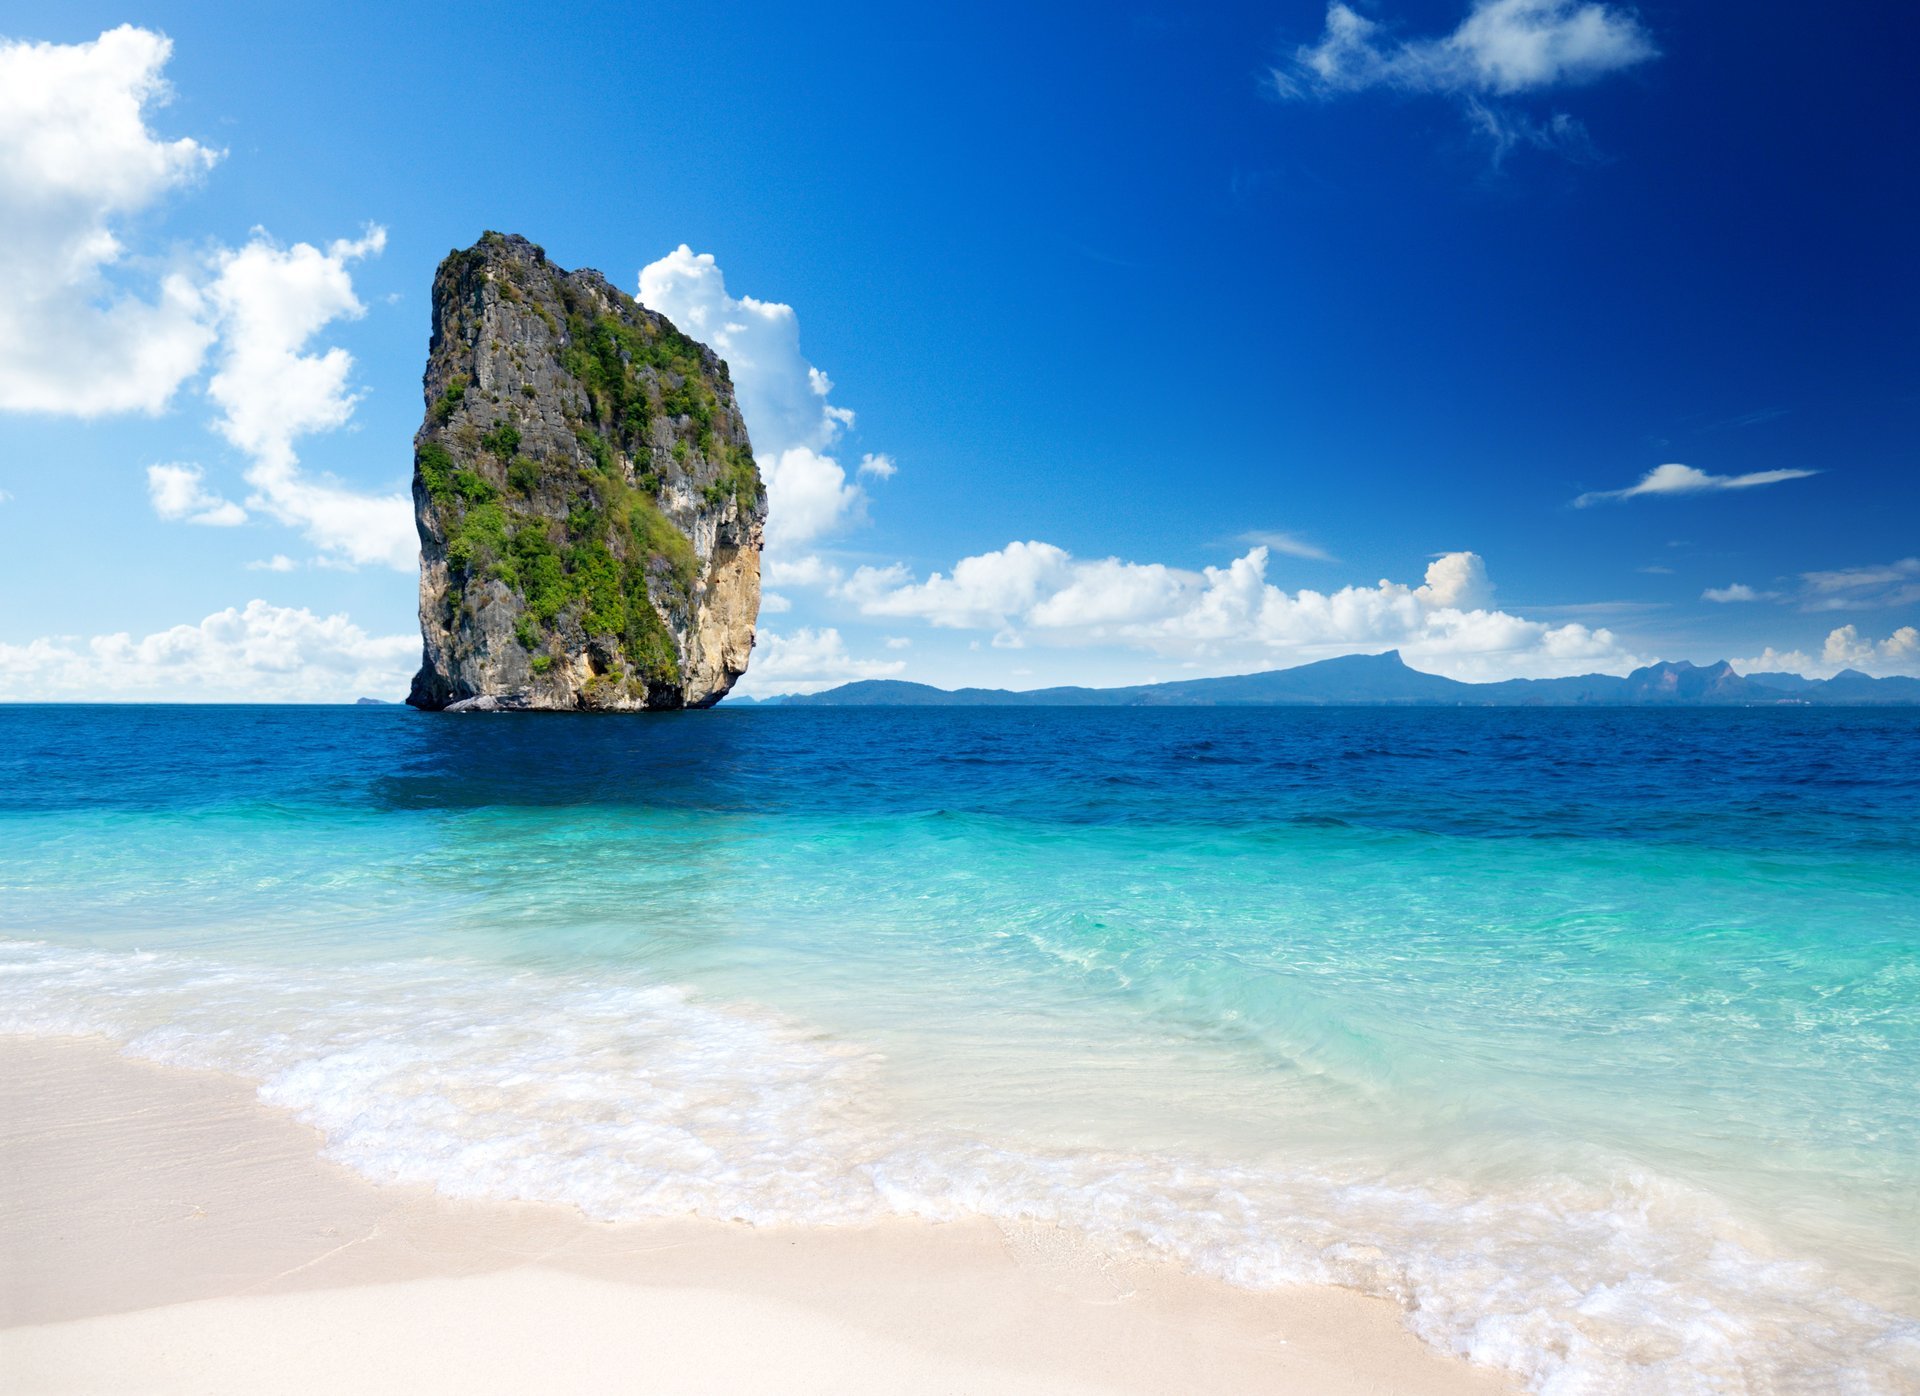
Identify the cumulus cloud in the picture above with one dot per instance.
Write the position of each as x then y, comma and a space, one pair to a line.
271, 390
179, 494
807, 571
785, 399
1845, 648
983, 592
1034, 592
255, 653
1685, 479
808, 496
1502, 47
809, 660
1899, 653
77, 161
772, 603
1773, 661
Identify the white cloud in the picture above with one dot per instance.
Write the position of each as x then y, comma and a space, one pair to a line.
1502, 47
897, 642
1292, 544
279, 562
255, 653
881, 467
1457, 580
806, 571
1773, 661
179, 494
1899, 653
809, 660
271, 302
1684, 479
983, 592
784, 399
1845, 648
807, 496
1738, 591
78, 160
1231, 616
772, 603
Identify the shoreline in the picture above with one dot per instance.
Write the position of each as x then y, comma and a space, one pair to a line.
162, 1229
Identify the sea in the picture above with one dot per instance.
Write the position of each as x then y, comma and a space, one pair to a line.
1588, 1038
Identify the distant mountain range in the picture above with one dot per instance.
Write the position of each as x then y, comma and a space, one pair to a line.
1385, 679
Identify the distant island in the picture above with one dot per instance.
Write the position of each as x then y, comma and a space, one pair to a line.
1385, 680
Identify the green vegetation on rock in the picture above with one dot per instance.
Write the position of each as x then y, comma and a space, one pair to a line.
435, 466
503, 440
451, 399
522, 474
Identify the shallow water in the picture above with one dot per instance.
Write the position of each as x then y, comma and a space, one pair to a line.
1592, 1038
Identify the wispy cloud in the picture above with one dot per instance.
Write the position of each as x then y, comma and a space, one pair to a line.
1597, 610
1502, 47
1507, 131
1748, 419
1684, 479
1875, 587
1501, 50
1849, 588
1274, 540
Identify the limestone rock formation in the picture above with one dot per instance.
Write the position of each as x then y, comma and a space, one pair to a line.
589, 510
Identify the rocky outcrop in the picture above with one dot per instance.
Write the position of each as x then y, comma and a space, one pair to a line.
589, 510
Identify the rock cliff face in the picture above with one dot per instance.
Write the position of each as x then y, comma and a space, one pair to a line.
590, 515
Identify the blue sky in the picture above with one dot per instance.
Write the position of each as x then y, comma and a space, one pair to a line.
1173, 342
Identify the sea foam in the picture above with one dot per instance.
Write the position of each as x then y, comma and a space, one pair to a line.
633, 1099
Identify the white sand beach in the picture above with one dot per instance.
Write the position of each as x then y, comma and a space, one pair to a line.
162, 1230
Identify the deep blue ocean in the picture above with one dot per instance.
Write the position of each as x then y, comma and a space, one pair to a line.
1590, 1038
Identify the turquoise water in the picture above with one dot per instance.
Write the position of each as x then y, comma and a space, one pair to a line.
1591, 1039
